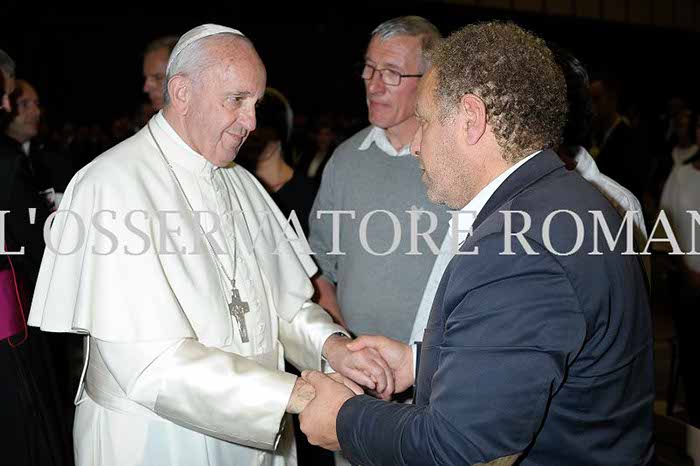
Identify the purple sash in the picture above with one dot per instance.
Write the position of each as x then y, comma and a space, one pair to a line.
10, 316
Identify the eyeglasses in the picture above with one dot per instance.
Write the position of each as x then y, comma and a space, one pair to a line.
389, 77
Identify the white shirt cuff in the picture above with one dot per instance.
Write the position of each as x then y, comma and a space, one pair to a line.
414, 350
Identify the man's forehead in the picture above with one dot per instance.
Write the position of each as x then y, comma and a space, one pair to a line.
26, 90
162, 53
393, 50
240, 77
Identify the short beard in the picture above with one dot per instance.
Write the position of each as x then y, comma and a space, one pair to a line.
456, 196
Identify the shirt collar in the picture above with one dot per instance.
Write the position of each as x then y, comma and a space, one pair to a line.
585, 165
466, 216
186, 156
378, 136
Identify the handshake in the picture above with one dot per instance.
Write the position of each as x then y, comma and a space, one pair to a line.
379, 364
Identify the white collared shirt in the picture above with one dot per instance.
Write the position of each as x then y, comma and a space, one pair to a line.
462, 229
378, 136
620, 197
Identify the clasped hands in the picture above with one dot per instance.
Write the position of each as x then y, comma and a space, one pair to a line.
380, 364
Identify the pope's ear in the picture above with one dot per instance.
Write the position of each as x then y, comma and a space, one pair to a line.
179, 89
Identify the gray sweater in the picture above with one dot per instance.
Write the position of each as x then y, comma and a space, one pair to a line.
379, 290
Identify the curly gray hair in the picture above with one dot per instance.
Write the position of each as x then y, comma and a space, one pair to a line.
514, 73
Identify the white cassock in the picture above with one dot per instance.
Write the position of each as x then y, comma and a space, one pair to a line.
168, 380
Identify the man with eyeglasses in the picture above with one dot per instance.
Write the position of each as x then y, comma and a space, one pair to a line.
373, 278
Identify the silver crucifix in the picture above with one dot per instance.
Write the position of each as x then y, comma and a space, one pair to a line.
238, 309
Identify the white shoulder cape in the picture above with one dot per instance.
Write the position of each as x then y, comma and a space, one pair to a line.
125, 296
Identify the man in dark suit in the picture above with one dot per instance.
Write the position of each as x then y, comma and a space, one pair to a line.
536, 351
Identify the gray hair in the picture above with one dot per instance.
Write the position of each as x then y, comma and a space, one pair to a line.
412, 26
7, 65
167, 43
195, 58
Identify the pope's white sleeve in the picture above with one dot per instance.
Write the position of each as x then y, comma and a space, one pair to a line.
204, 389
304, 336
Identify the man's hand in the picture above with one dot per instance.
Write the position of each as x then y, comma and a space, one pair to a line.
317, 421
302, 394
364, 366
396, 354
356, 389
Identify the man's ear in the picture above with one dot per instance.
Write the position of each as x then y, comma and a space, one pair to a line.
474, 113
180, 91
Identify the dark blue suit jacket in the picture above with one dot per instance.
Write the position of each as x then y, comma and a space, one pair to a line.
543, 359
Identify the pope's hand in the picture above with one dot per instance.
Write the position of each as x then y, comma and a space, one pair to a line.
396, 354
364, 366
302, 394
317, 421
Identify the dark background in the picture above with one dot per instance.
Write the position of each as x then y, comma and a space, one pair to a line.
87, 67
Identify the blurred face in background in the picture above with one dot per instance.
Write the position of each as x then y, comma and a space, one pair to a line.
25, 125
324, 138
259, 146
8, 87
155, 64
603, 102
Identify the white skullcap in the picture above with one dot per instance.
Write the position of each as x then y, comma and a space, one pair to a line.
200, 32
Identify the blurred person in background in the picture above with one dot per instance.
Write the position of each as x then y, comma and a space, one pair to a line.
35, 431
324, 140
576, 134
266, 154
617, 148
686, 143
155, 61
680, 196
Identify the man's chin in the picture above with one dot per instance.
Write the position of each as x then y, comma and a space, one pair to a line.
430, 190
380, 119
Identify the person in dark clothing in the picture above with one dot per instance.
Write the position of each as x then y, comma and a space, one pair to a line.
323, 142
618, 149
20, 130
35, 432
266, 154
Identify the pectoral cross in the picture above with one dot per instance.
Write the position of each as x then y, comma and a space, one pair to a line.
238, 309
